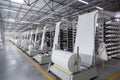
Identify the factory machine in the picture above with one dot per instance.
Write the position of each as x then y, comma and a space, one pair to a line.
76, 65
20, 40
35, 39
43, 55
96, 36
25, 42
18, 37
66, 41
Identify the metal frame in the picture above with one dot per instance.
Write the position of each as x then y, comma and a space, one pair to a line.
69, 12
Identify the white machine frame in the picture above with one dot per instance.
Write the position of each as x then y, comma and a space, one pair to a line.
33, 52
42, 57
88, 72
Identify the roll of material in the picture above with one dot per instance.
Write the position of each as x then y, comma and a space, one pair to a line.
31, 48
24, 44
66, 60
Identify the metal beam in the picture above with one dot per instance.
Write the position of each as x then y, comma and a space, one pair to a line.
40, 11
19, 3
15, 7
27, 11
57, 11
22, 10
48, 5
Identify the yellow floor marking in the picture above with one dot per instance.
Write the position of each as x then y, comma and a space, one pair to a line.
115, 76
57, 79
36, 65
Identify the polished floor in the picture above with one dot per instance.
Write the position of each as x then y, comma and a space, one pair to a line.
14, 66
110, 69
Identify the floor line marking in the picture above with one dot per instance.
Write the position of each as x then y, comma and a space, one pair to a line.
114, 76
36, 65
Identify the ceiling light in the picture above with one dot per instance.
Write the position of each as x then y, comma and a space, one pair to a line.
8, 10
83, 1
118, 20
11, 20
32, 14
18, 1
100, 8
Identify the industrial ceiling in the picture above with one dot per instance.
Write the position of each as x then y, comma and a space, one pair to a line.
29, 14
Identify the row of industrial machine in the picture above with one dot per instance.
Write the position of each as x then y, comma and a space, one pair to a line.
72, 47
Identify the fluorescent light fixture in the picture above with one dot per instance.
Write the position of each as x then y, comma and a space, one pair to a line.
32, 14
100, 8
8, 10
18, 1
11, 20
118, 20
82, 1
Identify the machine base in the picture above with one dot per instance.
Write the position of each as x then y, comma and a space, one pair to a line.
42, 59
29, 53
86, 74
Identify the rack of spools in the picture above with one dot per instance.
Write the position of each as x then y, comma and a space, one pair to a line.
112, 38
49, 37
67, 36
107, 42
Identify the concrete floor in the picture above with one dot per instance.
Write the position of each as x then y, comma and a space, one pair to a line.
14, 66
110, 68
